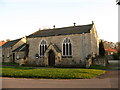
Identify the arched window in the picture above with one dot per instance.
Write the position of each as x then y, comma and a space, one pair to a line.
43, 47
67, 47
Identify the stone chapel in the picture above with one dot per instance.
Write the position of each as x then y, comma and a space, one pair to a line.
66, 46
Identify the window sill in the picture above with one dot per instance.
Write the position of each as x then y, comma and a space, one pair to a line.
66, 56
41, 56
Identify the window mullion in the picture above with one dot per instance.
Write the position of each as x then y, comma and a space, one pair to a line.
65, 49
41, 50
44, 48
68, 50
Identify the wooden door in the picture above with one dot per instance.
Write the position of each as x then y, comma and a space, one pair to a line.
13, 57
51, 58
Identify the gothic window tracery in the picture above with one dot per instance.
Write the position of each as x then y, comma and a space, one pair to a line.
67, 47
43, 47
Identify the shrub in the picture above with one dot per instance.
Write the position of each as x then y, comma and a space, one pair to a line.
116, 56
101, 49
10, 64
99, 67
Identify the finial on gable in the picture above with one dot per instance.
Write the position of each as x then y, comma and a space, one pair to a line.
54, 26
92, 22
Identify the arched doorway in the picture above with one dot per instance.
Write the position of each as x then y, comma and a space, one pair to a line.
13, 57
51, 58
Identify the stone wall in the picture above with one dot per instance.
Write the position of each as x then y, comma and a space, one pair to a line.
18, 44
7, 54
19, 56
103, 61
94, 42
78, 47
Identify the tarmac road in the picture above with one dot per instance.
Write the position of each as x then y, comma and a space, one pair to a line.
109, 80
49, 83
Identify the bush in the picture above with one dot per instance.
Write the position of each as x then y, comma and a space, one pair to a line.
116, 56
101, 49
10, 64
99, 67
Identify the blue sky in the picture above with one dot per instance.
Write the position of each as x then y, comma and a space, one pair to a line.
19, 18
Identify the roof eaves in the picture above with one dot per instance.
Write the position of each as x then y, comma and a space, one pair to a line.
62, 31
20, 48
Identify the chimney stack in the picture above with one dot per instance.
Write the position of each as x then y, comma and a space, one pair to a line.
54, 26
92, 22
74, 24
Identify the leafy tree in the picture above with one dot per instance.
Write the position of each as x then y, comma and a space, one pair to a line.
7, 40
101, 49
116, 56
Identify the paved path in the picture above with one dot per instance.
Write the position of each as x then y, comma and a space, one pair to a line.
109, 80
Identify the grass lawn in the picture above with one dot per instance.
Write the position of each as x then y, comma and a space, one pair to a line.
100, 67
9, 64
50, 73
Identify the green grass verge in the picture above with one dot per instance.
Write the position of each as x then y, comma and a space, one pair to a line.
17, 67
9, 64
50, 73
100, 67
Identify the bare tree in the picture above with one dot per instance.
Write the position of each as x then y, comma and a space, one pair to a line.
7, 40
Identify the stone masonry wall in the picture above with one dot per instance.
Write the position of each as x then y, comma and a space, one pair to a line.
77, 41
7, 54
19, 56
94, 42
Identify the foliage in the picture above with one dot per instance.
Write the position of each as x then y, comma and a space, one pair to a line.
116, 56
18, 67
7, 40
9, 64
101, 49
99, 67
118, 46
50, 73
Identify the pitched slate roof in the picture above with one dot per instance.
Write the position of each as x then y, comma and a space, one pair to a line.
62, 31
57, 49
21, 48
10, 43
